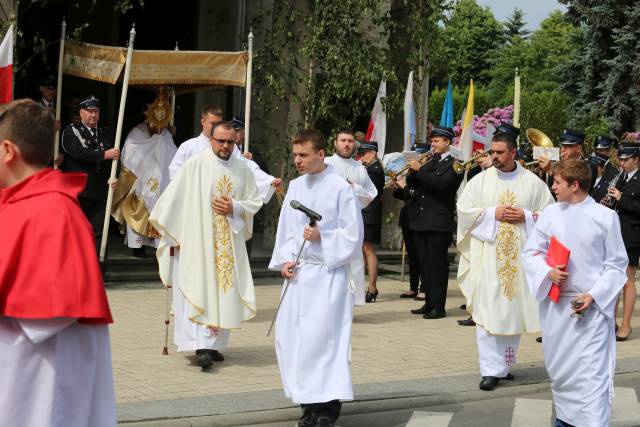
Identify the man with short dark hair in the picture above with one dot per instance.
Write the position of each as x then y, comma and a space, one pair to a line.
88, 148
207, 211
433, 186
209, 116
579, 342
313, 348
364, 189
496, 212
55, 356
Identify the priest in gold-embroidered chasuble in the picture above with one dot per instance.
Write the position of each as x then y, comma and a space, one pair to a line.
490, 272
213, 287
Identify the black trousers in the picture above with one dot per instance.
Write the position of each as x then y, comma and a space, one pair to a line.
431, 249
330, 410
414, 261
94, 211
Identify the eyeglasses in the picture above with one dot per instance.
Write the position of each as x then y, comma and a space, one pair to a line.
224, 141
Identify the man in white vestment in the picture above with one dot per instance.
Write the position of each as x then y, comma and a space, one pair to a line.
207, 211
496, 212
364, 189
579, 340
209, 116
313, 328
146, 155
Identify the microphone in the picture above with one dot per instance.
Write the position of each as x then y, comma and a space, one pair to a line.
314, 216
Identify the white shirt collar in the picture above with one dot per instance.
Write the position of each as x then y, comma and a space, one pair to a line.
631, 174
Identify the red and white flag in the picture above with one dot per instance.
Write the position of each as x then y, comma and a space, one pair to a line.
377, 130
6, 67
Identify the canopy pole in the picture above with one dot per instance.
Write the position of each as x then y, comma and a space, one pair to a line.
173, 100
247, 94
114, 163
56, 147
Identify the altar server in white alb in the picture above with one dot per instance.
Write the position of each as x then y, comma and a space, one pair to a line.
579, 349
496, 213
313, 328
365, 191
55, 354
207, 210
209, 116
146, 155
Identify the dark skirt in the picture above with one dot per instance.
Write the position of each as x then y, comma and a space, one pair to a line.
372, 233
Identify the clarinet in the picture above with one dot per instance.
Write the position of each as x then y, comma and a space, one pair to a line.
609, 201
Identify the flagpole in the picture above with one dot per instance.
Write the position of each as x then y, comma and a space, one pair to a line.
56, 148
247, 93
114, 163
516, 100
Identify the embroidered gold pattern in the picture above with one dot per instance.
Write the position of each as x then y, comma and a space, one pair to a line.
153, 185
222, 245
508, 249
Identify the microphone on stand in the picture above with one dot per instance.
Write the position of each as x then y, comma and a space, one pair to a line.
313, 216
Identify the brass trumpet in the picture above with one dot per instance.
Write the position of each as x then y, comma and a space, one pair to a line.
461, 168
423, 160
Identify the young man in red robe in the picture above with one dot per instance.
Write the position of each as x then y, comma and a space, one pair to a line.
55, 355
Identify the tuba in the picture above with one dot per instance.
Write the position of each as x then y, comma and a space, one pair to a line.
536, 138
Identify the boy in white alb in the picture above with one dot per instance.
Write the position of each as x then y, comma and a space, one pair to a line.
578, 330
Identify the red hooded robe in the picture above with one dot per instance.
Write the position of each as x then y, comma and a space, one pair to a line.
48, 262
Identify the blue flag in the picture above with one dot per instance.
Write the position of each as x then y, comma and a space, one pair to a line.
446, 119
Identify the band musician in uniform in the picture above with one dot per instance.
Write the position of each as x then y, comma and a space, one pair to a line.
405, 193
431, 219
372, 215
625, 197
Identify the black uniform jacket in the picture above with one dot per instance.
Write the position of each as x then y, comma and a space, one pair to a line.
372, 214
432, 191
599, 190
85, 153
629, 211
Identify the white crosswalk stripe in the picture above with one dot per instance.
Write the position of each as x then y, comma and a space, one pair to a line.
429, 419
531, 413
539, 412
626, 409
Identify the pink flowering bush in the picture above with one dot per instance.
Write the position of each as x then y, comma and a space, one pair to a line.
494, 116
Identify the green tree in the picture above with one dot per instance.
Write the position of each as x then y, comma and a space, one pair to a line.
469, 41
514, 26
600, 74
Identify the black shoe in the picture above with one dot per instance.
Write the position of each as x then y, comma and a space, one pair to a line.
371, 296
422, 310
410, 294
308, 418
215, 355
539, 339
435, 314
620, 338
463, 307
467, 322
324, 422
203, 359
489, 383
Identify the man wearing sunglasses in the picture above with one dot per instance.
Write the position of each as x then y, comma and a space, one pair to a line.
207, 211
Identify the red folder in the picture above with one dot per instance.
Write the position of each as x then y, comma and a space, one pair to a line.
557, 254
